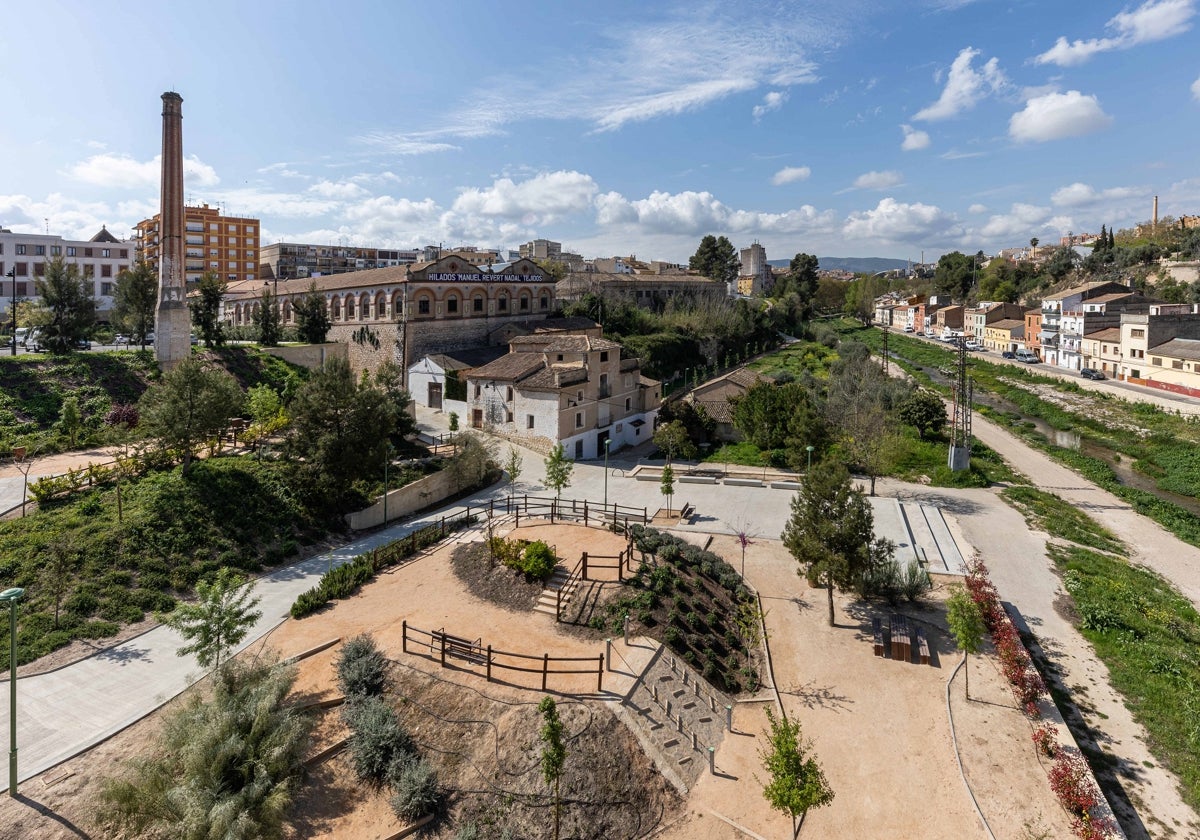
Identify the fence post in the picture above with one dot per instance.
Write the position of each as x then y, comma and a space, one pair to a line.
627, 629
489, 664
584, 559
729, 718
608, 651
712, 760
404, 635
553, 510
491, 507
621, 567
558, 604
526, 504
443, 639
545, 668
600, 674
585, 512
443, 526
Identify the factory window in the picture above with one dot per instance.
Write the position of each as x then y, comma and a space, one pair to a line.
545, 303
423, 306
477, 303
578, 419
528, 421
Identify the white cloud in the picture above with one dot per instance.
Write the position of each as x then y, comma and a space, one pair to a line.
955, 154
541, 199
878, 180
691, 213
341, 191
914, 140
1058, 115
1196, 90
773, 101
69, 217
790, 174
1154, 20
401, 143
965, 86
125, 172
283, 169
1021, 222
895, 222
1084, 195
977, 208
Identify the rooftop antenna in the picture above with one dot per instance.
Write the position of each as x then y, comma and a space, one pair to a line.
47, 221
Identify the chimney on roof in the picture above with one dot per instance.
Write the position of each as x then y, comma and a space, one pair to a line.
1154, 218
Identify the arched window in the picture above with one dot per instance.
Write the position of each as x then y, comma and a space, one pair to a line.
452, 307
524, 304
545, 301
364, 305
477, 304
424, 305
397, 304
350, 307
380, 306
502, 302
335, 308
287, 312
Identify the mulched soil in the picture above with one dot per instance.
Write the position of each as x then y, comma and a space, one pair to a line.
490, 581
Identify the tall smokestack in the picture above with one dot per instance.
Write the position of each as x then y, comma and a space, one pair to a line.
172, 322
1154, 221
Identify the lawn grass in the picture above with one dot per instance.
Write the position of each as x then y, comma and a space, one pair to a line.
1148, 636
1047, 512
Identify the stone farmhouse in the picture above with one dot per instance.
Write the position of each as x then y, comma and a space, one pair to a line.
569, 389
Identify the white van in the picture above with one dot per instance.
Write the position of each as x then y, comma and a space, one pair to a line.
28, 336
1027, 356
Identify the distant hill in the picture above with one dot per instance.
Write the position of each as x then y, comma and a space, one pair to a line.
858, 265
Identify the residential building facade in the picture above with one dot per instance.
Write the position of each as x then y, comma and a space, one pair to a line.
572, 389
99, 259
1053, 307
291, 261
228, 246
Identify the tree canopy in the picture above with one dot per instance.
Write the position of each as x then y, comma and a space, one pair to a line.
954, 275
831, 529
192, 404
312, 316
267, 319
717, 259
219, 620
206, 309
797, 783
67, 297
135, 297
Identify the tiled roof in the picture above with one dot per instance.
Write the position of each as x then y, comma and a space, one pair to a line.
558, 343
511, 367
467, 359
1086, 287
1110, 334
1006, 324
1178, 348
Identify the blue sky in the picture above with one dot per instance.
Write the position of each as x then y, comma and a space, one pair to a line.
832, 127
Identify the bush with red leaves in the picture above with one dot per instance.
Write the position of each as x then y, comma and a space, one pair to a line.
1045, 738
122, 415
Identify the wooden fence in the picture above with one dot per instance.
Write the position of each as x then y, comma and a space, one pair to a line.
587, 564
615, 516
440, 645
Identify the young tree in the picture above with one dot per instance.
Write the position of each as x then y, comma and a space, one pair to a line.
966, 626
218, 621
558, 470
69, 421
858, 403
513, 466
668, 485
206, 309
67, 296
474, 456
191, 404
266, 318
312, 316
924, 410
554, 753
389, 378
672, 438
830, 530
58, 567
135, 296
797, 783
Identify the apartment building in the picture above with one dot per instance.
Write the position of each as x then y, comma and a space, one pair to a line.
228, 246
291, 260
1068, 300
1092, 315
977, 318
100, 259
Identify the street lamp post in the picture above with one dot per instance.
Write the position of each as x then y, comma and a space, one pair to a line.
809, 450
12, 596
387, 458
607, 442
12, 280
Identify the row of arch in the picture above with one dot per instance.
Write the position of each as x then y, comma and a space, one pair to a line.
426, 303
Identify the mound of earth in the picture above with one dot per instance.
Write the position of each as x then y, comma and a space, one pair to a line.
490, 581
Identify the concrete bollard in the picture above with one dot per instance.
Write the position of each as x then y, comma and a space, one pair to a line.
654, 692
712, 703
685, 677
693, 740
712, 760
668, 709
674, 669
697, 686
729, 718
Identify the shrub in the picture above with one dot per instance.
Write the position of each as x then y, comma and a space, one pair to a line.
1071, 782
914, 582
1045, 738
362, 668
538, 560
378, 738
415, 786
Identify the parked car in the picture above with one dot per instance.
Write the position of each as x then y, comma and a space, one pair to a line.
120, 340
1028, 357
81, 344
973, 345
1091, 373
1008, 354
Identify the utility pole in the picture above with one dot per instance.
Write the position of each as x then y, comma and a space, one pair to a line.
960, 435
885, 349
12, 279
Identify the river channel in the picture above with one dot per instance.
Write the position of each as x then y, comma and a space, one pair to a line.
1120, 464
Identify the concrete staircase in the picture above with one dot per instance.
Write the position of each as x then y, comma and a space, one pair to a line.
557, 582
676, 716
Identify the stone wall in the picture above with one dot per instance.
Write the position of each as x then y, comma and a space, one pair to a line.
408, 499
311, 356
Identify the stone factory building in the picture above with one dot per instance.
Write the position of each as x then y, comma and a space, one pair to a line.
404, 313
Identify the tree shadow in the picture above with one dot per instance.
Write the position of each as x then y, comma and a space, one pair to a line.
823, 697
124, 654
50, 813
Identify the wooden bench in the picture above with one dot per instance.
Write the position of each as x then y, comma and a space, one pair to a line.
901, 640
877, 628
686, 511
923, 646
458, 647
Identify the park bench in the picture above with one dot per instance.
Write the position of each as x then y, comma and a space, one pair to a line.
901, 640
686, 511
923, 646
459, 647
877, 628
